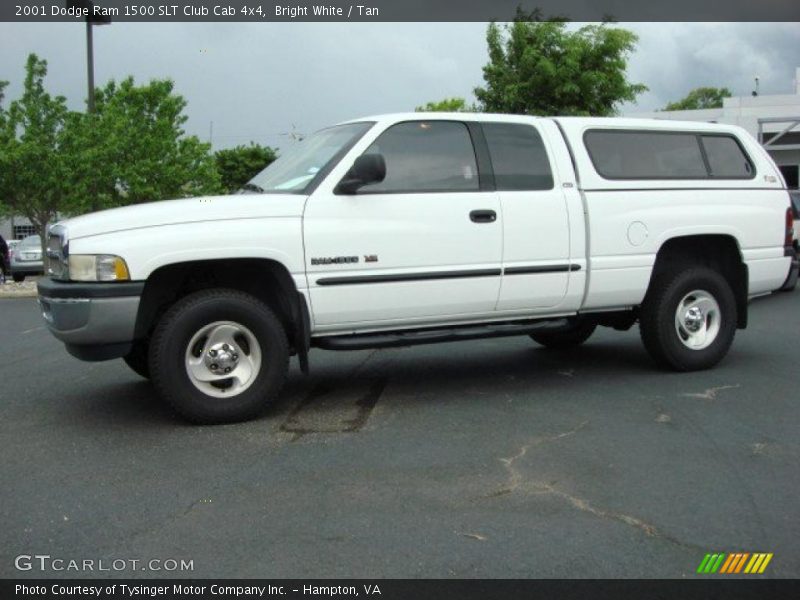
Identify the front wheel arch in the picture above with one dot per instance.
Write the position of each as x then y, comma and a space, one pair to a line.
266, 279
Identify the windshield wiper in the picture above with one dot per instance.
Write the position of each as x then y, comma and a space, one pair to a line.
252, 188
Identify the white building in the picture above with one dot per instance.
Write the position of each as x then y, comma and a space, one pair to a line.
773, 120
16, 228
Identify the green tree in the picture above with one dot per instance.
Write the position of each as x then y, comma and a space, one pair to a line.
134, 149
236, 166
5, 137
702, 97
541, 68
447, 105
33, 168
3, 116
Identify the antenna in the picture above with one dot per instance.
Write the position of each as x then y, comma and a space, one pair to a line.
755, 91
294, 135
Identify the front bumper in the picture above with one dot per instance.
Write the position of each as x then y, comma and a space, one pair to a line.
96, 321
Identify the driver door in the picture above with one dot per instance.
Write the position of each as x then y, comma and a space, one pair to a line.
423, 245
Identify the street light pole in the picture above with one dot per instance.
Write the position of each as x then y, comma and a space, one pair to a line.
91, 20
90, 65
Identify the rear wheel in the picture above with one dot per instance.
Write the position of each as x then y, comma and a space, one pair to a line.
688, 318
18, 277
219, 356
574, 335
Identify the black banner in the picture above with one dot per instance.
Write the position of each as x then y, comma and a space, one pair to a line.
733, 588
396, 10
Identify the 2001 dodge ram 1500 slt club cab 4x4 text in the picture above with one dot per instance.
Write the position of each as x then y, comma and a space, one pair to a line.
420, 228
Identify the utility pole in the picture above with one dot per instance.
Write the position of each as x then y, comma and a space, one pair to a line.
91, 20
89, 66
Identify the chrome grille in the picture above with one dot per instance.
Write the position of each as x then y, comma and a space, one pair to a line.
57, 253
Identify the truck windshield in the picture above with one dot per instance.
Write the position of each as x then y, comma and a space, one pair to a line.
296, 169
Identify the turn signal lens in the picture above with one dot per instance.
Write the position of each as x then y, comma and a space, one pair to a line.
97, 267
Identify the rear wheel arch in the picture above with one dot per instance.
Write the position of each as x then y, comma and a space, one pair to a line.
720, 252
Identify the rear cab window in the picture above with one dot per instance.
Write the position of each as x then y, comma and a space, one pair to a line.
519, 159
638, 154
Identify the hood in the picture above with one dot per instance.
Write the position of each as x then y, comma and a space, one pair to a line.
187, 210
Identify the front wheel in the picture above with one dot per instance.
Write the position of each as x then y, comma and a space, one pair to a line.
18, 277
219, 356
688, 318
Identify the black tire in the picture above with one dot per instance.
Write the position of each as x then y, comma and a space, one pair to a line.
18, 277
791, 281
138, 360
566, 338
657, 321
187, 317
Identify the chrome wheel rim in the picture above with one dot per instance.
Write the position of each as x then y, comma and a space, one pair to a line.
697, 320
223, 359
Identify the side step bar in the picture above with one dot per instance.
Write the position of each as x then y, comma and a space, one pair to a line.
434, 336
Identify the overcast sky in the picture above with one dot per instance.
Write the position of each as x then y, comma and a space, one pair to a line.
257, 81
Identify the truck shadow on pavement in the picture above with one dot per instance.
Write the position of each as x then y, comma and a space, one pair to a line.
427, 369
338, 396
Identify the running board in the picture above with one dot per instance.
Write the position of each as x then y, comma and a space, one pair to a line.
397, 339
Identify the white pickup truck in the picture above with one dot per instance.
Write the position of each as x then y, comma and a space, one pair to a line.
418, 228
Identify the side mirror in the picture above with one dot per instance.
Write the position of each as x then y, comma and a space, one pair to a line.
368, 168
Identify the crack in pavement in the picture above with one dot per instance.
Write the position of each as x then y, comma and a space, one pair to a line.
516, 481
473, 536
515, 477
195, 504
585, 506
711, 393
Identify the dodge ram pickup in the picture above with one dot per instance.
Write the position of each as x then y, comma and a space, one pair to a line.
420, 228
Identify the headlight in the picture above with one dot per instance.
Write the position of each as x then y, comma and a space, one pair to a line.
97, 267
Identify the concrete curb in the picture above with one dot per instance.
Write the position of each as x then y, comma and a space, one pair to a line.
26, 289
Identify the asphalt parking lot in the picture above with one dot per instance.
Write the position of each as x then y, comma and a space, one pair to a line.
492, 458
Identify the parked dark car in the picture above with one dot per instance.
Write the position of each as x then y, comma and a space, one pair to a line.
4, 260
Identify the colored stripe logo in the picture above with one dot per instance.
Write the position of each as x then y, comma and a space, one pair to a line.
735, 562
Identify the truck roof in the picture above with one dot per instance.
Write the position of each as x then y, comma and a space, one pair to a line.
573, 123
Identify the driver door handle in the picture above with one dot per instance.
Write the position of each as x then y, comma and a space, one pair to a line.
483, 216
